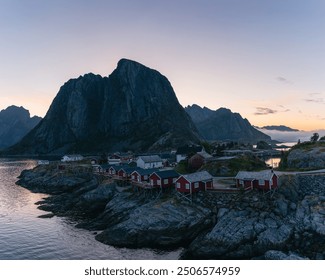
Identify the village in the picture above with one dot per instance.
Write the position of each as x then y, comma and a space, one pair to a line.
202, 201
155, 174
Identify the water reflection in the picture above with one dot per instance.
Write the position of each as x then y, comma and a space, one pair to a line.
273, 162
24, 236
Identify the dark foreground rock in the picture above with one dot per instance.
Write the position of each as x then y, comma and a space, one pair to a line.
290, 224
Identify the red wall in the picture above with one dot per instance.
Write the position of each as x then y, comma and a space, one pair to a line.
245, 184
136, 175
256, 185
183, 183
121, 173
275, 181
112, 171
155, 178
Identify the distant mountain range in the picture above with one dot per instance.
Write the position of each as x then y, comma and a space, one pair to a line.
15, 123
135, 108
224, 125
279, 128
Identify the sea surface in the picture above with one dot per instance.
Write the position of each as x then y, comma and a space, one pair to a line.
24, 236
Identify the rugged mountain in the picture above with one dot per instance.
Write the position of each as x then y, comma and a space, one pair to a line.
15, 122
135, 108
279, 128
223, 124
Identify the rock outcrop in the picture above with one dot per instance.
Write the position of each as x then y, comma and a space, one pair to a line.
135, 108
306, 158
224, 125
15, 123
288, 224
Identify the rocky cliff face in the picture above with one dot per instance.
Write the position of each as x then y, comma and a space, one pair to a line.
289, 224
223, 124
15, 122
135, 108
306, 159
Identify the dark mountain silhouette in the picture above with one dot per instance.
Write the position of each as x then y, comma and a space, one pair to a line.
15, 122
135, 108
224, 125
279, 128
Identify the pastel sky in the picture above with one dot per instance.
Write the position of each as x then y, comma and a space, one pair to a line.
264, 59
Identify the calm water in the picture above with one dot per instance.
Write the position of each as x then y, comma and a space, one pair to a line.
24, 236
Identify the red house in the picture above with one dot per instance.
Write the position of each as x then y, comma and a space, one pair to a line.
263, 180
125, 172
104, 169
142, 175
163, 179
194, 182
113, 169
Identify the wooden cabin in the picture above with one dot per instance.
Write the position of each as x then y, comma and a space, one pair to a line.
114, 169
146, 162
163, 179
126, 171
104, 169
142, 175
195, 182
262, 180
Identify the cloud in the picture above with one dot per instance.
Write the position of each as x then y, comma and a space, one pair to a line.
291, 136
283, 80
264, 111
315, 100
283, 109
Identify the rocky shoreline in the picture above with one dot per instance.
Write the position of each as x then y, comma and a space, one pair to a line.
288, 225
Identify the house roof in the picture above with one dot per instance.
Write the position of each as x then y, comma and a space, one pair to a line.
142, 171
261, 175
198, 176
129, 169
152, 158
164, 174
204, 154
105, 166
118, 167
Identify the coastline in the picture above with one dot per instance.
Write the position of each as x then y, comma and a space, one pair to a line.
288, 225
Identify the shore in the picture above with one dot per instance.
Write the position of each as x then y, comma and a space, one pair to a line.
290, 224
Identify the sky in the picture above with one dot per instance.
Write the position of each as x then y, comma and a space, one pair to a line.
264, 59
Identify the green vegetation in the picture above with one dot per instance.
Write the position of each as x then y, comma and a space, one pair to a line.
305, 147
314, 137
182, 167
207, 147
232, 166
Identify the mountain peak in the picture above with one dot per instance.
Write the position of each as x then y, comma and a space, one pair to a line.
134, 108
125, 61
127, 66
224, 125
15, 122
14, 111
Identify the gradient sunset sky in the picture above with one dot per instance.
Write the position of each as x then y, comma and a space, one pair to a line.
262, 59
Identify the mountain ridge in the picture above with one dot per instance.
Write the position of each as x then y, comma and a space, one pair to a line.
224, 125
15, 122
279, 128
134, 108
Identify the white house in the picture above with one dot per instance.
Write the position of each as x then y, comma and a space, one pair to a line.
67, 158
146, 162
